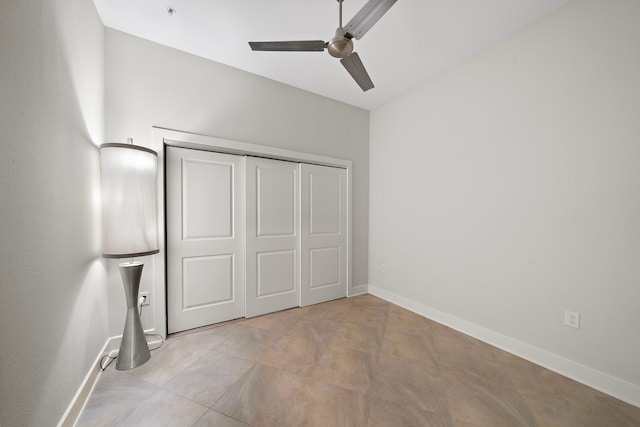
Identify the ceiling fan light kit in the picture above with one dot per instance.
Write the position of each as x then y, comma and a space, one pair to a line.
341, 45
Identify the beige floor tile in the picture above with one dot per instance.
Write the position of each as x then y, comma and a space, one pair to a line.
298, 356
161, 409
410, 383
347, 362
462, 359
322, 311
206, 380
168, 361
269, 323
320, 329
441, 333
400, 310
244, 349
271, 397
408, 324
249, 343
458, 423
358, 337
557, 400
367, 316
292, 315
112, 397
460, 353
209, 338
564, 411
409, 347
617, 412
346, 368
341, 305
383, 413
260, 336
216, 419
478, 401
368, 300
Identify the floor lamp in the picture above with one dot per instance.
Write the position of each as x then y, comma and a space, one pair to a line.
129, 229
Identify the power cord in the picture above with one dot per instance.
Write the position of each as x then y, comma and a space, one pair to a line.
155, 335
103, 367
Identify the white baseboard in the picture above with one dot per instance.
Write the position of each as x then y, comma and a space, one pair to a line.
358, 290
71, 415
79, 401
598, 380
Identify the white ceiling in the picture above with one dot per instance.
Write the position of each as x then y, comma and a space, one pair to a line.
414, 41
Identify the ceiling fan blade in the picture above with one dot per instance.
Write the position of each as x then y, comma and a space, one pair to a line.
290, 46
366, 18
354, 66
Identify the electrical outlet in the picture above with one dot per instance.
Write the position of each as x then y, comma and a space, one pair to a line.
383, 268
147, 298
572, 319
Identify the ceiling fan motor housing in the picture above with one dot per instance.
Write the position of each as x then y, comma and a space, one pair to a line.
341, 45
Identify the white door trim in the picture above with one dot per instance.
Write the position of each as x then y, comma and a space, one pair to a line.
161, 136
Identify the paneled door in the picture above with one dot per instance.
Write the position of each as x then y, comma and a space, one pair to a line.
205, 240
324, 233
272, 255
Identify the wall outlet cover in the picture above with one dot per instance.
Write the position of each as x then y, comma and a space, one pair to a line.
147, 300
572, 319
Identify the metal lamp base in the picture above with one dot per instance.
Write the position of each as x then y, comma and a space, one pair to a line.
134, 350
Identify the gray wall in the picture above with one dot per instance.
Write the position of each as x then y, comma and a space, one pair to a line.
507, 189
148, 84
53, 298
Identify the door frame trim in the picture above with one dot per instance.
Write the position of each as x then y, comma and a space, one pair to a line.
162, 137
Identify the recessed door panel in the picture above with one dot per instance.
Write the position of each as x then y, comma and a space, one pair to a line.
323, 234
205, 253
270, 268
324, 199
207, 280
207, 201
324, 267
276, 198
272, 236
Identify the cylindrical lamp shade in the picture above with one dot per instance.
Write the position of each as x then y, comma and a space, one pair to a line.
129, 201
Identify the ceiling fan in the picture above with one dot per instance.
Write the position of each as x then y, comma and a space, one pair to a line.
341, 45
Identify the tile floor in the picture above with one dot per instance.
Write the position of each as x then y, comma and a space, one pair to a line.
350, 362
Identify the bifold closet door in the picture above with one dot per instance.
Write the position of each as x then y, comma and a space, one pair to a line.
205, 240
324, 233
272, 255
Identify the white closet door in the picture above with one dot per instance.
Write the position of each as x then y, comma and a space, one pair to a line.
271, 236
323, 233
205, 254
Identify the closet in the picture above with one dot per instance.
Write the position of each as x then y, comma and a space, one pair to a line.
248, 236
